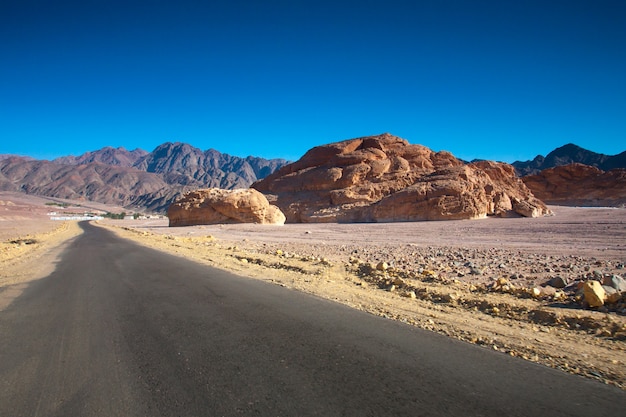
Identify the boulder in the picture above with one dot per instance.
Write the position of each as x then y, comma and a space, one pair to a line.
612, 295
384, 179
548, 291
594, 293
558, 282
215, 206
615, 281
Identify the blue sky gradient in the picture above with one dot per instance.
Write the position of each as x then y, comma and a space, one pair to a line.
502, 80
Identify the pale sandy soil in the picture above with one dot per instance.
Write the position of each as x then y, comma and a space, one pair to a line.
22, 215
440, 277
27, 257
30, 242
599, 232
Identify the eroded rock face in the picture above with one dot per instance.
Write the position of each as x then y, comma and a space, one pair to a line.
384, 178
217, 206
578, 184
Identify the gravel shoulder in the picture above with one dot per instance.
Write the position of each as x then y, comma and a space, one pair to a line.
470, 280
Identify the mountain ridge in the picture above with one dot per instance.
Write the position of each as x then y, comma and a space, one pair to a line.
569, 154
151, 180
93, 181
107, 155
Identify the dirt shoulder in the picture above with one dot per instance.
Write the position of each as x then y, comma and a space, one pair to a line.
30, 239
471, 280
31, 256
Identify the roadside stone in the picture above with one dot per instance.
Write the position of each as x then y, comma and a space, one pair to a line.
382, 266
409, 294
502, 281
398, 282
594, 294
501, 284
548, 291
450, 298
558, 282
616, 282
612, 295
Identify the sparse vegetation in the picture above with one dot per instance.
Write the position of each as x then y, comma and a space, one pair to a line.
54, 203
115, 216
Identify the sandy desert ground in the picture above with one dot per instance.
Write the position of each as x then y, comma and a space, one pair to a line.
471, 280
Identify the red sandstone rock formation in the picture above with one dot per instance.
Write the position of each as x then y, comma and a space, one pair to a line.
384, 178
215, 206
578, 184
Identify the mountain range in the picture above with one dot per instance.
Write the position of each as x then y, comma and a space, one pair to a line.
137, 179
570, 154
141, 180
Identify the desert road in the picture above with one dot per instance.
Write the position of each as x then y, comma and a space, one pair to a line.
122, 330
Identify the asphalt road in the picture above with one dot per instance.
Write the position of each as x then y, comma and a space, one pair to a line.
122, 330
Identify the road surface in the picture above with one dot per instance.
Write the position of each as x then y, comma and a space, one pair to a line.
122, 330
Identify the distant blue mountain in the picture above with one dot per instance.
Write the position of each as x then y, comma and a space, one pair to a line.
569, 154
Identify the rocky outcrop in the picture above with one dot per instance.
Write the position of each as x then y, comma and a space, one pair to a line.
384, 178
578, 184
216, 206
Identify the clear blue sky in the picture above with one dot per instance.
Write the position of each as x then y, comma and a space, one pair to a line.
500, 79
